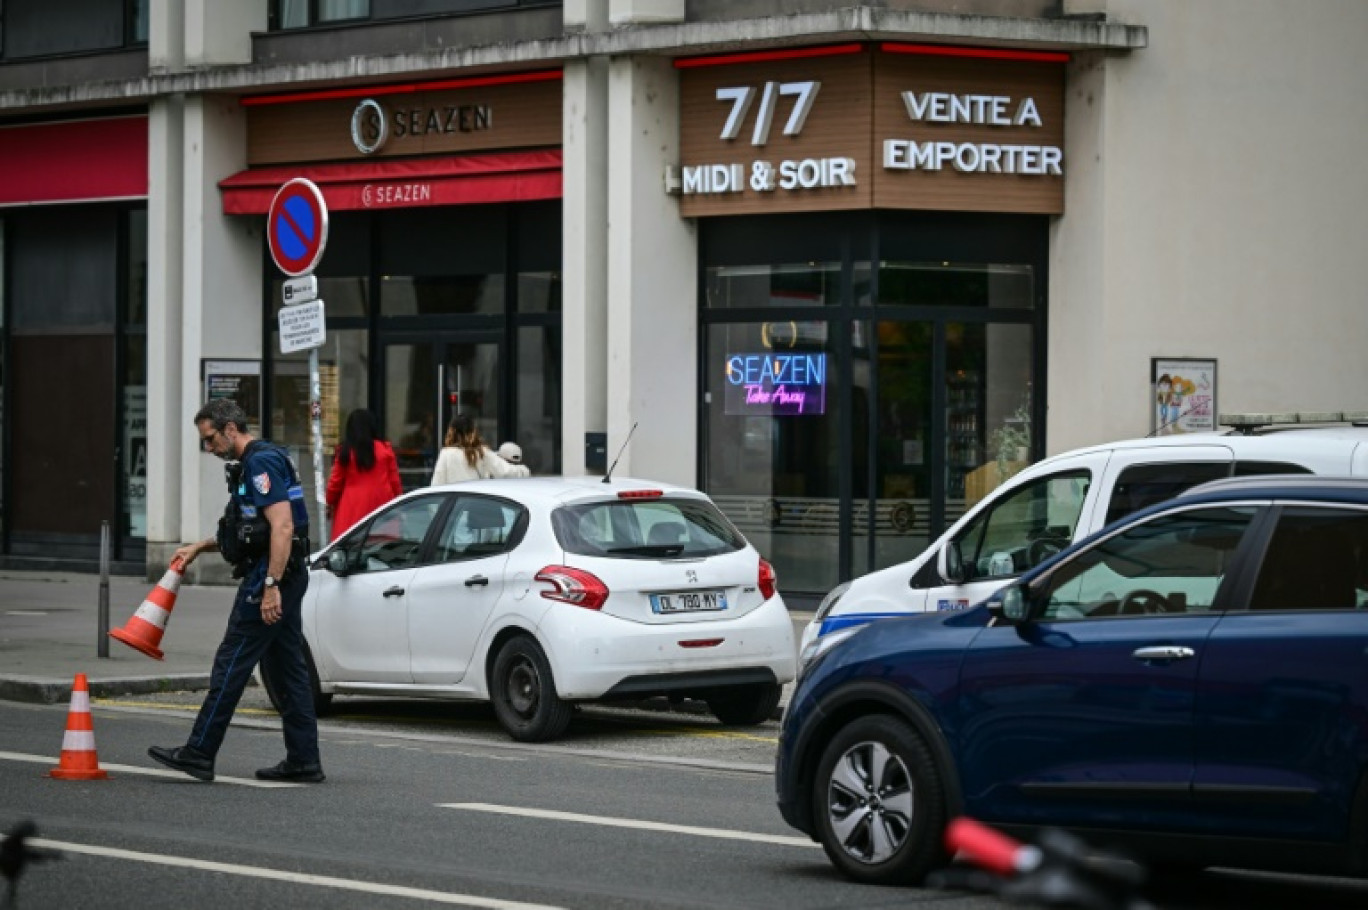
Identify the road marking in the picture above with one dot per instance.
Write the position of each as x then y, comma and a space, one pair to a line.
636, 824
116, 703
156, 772
26, 613
298, 878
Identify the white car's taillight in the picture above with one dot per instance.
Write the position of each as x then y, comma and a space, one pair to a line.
768, 580
573, 586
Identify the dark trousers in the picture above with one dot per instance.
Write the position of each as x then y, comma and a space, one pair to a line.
280, 648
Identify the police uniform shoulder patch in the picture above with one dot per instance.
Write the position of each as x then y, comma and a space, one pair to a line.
262, 482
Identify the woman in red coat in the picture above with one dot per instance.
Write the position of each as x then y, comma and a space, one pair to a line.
365, 474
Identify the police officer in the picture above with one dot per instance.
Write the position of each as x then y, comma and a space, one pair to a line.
265, 534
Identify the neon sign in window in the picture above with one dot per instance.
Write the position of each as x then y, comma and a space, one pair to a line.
772, 383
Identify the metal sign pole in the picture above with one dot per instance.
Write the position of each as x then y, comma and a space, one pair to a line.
316, 414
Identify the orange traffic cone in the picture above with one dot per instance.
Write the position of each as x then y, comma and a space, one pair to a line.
79, 761
144, 629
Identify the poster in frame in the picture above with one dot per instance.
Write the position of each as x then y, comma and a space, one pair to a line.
1182, 395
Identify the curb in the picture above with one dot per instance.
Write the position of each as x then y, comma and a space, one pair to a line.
48, 691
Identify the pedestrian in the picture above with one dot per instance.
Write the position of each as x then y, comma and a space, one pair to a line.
264, 533
465, 456
365, 473
511, 452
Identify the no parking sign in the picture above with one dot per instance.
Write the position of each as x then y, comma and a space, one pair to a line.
297, 227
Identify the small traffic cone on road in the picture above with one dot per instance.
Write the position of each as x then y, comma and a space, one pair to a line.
79, 761
145, 628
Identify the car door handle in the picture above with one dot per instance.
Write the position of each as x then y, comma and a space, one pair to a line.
393, 592
1163, 653
474, 580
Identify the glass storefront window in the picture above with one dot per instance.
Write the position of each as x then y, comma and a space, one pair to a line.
956, 284
988, 409
539, 292
343, 372
441, 296
774, 444
811, 284
539, 398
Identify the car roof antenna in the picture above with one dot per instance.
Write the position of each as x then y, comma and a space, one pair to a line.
608, 478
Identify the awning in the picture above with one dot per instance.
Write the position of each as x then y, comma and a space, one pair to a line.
405, 182
74, 161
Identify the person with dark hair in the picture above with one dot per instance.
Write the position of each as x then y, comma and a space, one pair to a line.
466, 456
365, 473
264, 534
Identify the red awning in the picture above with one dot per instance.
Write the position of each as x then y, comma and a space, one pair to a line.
405, 182
74, 161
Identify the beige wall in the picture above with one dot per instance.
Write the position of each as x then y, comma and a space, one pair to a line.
1214, 206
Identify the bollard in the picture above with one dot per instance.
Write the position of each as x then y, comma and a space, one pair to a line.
102, 640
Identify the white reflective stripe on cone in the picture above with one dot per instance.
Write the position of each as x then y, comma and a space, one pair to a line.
80, 701
78, 741
170, 581
150, 612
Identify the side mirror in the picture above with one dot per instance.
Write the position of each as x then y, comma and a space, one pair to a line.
338, 562
952, 563
1010, 604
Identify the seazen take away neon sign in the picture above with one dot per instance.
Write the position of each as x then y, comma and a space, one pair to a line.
771, 383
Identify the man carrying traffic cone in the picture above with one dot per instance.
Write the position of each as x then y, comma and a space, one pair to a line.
145, 628
79, 761
265, 535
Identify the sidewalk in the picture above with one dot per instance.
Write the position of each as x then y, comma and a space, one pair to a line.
48, 633
49, 624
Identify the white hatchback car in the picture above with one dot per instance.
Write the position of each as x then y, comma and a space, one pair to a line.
535, 594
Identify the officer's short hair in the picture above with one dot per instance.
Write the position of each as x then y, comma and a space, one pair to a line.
221, 412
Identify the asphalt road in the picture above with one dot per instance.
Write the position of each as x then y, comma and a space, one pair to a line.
428, 803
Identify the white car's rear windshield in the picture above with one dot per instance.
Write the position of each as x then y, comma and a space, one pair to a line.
645, 529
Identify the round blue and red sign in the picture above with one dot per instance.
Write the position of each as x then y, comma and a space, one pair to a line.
297, 227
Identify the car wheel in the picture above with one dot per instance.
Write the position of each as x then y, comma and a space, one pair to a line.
879, 803
274, 687
524, 693
745, 706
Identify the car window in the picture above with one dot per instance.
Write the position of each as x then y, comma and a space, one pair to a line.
1316, 560
394, 540
645, 529
1172, 563
1250, 468
1143, 485
1028, 526
477, 526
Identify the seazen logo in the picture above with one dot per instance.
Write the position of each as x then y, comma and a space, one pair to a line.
368, 127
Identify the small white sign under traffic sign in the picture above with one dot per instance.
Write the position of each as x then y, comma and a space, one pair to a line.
300, 290
302, 327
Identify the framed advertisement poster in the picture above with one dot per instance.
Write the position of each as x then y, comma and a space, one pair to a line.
239, 380
1182, 395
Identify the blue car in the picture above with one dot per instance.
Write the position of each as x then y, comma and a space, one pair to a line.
1189, 684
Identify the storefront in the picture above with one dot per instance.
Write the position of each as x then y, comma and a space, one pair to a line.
874, 239
73, 350
441, 276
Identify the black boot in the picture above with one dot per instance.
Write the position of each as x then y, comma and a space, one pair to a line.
289, 771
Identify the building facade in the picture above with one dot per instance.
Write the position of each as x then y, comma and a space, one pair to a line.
844, 267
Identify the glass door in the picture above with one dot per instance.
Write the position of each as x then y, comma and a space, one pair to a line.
426, 383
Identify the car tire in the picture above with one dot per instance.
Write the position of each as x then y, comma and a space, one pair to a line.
322, 700
745, 706
524, 693
879, 803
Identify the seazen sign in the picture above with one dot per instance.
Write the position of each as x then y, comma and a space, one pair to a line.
774, 383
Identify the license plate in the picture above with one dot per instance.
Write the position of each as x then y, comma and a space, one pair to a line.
688, 602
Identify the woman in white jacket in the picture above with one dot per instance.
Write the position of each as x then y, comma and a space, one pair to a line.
465, 456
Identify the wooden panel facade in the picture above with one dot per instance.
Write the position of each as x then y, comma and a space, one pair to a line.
451, 121
988, 137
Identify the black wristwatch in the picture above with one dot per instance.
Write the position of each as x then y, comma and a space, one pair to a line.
271, 581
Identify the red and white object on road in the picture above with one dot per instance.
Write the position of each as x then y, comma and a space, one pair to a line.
145, 628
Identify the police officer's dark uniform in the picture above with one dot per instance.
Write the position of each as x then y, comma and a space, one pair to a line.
265, 476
